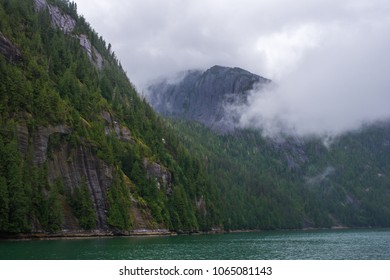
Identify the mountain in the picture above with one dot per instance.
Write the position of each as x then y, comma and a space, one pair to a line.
80, 152
283, 182
204, 95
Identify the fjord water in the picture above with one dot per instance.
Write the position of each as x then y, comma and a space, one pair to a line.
364, 244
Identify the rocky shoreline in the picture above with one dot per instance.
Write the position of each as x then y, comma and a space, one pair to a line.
67, 234
140, 232
85, 234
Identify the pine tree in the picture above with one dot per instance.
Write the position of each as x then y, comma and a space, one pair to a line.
82, 206
119, 201
4, 205
19, 203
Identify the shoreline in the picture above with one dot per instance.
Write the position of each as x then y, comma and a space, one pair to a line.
84, 234
147, 232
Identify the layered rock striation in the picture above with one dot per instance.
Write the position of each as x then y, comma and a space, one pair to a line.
59, 19
9, 50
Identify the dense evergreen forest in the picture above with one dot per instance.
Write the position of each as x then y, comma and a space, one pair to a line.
292, 182
55, 83
81, 150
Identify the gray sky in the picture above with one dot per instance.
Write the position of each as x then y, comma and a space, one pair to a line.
330, 59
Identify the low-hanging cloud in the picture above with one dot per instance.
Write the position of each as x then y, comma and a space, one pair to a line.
328, 59
335, 82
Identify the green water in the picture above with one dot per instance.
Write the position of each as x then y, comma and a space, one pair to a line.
280, 245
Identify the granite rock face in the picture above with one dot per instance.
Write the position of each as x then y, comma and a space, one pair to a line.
79, 165
203, 96
41, 141
112, 127
59, 19
74, 165
94, 56
9, 50
159, 174
67, 24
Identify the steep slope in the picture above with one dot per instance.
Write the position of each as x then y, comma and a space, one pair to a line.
284, 182
8, 50
81, 153
203, 96
289, 184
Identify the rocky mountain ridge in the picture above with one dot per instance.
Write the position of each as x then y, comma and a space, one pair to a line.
82, 154
335, 181
203, 96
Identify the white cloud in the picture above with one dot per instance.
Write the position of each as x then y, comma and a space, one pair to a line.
340, 83
329, 58
283, 50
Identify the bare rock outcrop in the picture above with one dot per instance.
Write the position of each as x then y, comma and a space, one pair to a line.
77, 166
113, 127
94, 56
41, 141
159, 174
73, 165
59, 19
10, 51
203, 95
67, 24
38, 141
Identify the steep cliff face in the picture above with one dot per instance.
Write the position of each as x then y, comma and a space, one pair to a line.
112, 127
94, 56
59, 19
47, 147
72, 165
203, 96
9, 50
67, 24
80, 150
207, 97
78, 165
159, 174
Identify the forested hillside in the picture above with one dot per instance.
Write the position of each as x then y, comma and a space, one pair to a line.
283, 181
82, 153
296, 183
80, 150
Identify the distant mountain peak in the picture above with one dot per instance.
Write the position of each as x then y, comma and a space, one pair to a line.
203, 95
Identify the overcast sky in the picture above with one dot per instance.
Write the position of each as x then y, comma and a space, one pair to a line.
330, 59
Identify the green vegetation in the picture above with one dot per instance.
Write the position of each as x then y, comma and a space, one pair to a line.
81, 203
240, 181
119, 199
287, 183
56, 83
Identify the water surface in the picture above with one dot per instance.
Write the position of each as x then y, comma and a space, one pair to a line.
365, 244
